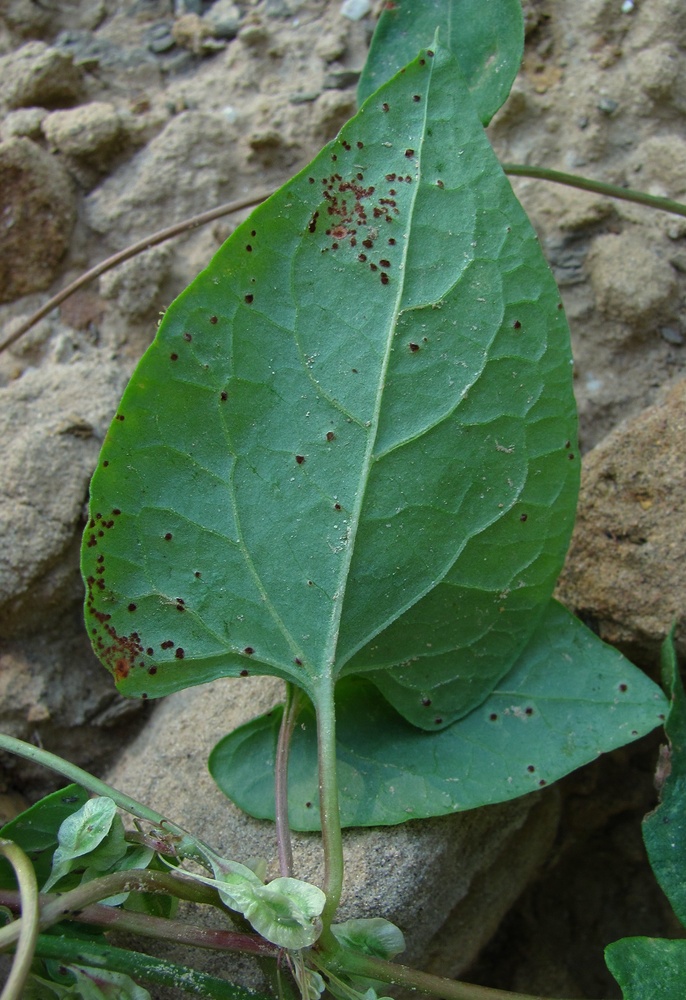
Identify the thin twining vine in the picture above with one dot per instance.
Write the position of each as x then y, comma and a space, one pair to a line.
196, 221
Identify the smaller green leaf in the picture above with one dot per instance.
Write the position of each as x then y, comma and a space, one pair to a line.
664, 830
370, 935
569, 698
80, 834
648, 968
35, 831
486, 36
101, 984
286, 911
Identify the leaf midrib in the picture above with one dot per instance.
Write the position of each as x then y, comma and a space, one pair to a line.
369, 458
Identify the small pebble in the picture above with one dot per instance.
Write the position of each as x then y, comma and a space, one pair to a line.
672, 336
355, 10
607, 105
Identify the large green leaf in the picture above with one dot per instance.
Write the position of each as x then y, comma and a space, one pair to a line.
358, 416
648, 968
569, 698
486, 36
664, 830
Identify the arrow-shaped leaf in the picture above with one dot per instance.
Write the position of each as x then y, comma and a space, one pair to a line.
357, 418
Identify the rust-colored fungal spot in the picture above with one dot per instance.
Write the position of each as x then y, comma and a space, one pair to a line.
248, 650
197, 574
152, 671
131, 607
391, 242
531, 768
384, 263
245, 673
571, 456
528, 710
214, 319
248, 247
414, 347
430, 53
105, 464
168, 537
173, 357
150, 651
409, 153
116, 511
517, 325
337, 506
122, 668
311, 180
438, 721
359, 144
120, 416
623, 688
248, 298
330, 436
300, 459
179, 653
362, 257
384, 278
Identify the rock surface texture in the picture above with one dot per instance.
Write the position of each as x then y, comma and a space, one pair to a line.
120, 117
414, 874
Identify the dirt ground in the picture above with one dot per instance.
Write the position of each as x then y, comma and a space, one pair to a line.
121, 117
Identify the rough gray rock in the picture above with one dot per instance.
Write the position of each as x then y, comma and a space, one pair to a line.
187, 168
92, 132
631, 280
135, 285
53, 421
414, 874
29, 19
23, 122
38, 75
37, 214
626, 569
